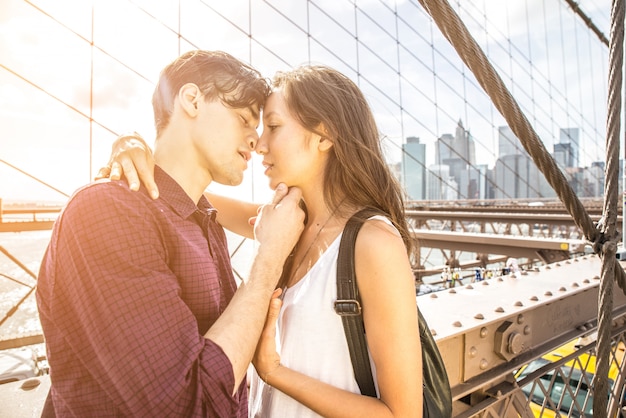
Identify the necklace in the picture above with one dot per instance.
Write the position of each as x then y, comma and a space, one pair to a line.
312, 243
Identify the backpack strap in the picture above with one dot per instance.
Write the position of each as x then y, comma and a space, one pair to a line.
348, 303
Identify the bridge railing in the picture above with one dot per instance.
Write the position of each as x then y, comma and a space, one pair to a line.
27, 218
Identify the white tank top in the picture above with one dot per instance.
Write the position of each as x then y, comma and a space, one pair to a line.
310, 339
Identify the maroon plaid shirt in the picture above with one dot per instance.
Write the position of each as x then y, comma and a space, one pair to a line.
127, 288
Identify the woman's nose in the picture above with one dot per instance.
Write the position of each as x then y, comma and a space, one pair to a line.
261, 146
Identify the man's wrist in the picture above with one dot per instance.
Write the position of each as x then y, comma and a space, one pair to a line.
129, 138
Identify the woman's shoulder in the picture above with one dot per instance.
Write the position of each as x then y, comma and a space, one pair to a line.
378, 228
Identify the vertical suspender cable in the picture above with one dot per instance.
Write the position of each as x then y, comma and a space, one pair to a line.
611, 196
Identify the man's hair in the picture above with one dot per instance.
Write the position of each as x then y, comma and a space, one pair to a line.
328, 103
217, 74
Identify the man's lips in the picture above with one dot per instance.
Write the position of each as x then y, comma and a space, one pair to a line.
246, 156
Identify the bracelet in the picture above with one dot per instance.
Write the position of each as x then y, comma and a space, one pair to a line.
265, 376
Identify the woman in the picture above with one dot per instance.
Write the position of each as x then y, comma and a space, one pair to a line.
320, 135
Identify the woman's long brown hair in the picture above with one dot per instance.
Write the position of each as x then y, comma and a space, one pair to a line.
356, 173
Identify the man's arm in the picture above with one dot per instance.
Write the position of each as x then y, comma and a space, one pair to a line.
277, 230
116, 311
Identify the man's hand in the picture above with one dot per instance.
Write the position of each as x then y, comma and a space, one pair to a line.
280, 223
132, 158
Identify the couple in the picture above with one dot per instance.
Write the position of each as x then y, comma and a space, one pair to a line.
137, 301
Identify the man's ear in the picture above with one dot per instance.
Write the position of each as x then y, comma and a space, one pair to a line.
189, 97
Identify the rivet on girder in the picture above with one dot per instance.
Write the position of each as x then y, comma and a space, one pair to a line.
548, 293
433, 296
534, 298
472, 352
479, 316
499, 309
518, 303
457, 324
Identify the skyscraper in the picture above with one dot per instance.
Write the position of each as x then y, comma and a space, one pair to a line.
459, 154
414, 168
508, 144
567, 148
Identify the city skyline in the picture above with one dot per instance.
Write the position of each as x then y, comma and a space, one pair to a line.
456, 174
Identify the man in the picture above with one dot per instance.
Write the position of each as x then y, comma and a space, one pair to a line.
137, 300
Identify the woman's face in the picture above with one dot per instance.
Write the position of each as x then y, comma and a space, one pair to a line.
289, 150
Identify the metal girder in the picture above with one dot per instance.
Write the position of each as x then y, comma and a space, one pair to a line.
487, 329
500, 217
23, 226
547, 249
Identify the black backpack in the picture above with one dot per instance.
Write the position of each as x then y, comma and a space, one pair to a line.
437, 395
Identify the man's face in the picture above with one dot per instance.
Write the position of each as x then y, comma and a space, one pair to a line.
224, 138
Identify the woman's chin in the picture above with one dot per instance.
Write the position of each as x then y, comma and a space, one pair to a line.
274, 183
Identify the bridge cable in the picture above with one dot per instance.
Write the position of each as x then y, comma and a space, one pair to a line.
588, 21
603, 237
609, 262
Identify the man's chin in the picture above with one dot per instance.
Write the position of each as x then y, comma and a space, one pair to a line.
232, 181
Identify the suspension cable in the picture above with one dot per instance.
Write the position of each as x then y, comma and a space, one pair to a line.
588, 21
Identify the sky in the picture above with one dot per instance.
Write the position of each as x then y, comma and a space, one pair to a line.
49, 89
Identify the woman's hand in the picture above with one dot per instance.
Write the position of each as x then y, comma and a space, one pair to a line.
266, 360
132, 158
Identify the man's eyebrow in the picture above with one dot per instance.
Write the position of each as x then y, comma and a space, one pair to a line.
254, 112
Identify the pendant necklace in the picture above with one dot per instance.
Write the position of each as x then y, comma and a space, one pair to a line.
311, 245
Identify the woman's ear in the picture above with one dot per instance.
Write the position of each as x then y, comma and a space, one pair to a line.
189, 96
324, 143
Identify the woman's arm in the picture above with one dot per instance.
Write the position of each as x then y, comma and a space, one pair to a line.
132, 158
387, 288
234, 215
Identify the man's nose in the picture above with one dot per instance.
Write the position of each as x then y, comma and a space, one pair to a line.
253, 139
